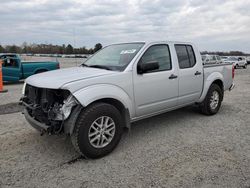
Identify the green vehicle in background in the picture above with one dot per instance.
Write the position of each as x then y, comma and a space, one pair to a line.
14, 69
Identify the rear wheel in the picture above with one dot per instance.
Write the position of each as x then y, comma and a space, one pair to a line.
212, 102
245, 67
97, 131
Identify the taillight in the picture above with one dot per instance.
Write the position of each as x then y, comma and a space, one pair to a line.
233, 72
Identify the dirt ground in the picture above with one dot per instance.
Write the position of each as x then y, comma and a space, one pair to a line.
181, 148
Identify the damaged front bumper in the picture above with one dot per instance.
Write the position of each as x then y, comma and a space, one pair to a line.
67, 126
41, 127
48, 110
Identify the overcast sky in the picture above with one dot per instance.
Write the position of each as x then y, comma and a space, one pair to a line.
212, 24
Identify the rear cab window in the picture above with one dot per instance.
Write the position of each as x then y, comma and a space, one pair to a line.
185, 55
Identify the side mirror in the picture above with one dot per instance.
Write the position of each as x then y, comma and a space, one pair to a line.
146, 67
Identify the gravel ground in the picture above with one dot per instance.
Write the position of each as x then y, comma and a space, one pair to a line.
181, 148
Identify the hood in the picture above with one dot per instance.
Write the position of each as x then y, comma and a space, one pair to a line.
57, 78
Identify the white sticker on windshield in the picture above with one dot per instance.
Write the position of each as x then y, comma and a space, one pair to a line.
128, 51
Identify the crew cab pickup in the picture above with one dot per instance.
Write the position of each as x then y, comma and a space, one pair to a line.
120, 84
14, 69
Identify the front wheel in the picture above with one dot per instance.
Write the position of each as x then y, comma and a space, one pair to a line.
97, 131
245, 67
212, 102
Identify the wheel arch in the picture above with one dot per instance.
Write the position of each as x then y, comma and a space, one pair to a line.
214, 78
109, 94
40, 70
219, 83
119, 106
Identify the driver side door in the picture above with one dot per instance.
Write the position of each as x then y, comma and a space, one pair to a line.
11, 70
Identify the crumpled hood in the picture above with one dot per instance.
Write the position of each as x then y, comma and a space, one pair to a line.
57, 78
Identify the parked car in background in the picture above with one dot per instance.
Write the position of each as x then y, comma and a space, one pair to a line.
211, 59
14, 69
248, 59
224, 58
237, 61
120, 84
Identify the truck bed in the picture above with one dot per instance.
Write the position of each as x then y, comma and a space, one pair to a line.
224, 68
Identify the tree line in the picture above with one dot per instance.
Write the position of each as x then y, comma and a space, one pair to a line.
48, 49
26, 48
231, 53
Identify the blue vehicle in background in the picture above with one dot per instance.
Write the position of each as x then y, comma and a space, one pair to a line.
14, 69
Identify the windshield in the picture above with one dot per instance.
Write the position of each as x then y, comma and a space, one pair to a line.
114, 57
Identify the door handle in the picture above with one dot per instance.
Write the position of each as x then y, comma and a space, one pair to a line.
197, 73
172, 76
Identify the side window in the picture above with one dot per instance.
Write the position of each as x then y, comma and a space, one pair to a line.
10, 62
191, 56
185, 55
182, 55
5, 62
160, 54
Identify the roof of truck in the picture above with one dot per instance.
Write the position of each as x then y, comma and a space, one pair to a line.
155, 41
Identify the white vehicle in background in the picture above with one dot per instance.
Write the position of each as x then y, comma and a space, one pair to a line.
248, 59
237, 61
211, 59
224, 58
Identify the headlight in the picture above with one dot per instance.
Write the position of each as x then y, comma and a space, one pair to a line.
23, 90
62, 111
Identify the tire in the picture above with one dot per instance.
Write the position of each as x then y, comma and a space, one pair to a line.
87, 121
209, 108
245, 67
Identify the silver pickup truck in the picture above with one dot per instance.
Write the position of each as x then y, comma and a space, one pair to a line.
120, 84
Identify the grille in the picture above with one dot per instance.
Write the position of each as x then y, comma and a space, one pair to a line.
40, 101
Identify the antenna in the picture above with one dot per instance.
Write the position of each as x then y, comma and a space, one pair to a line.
74, 32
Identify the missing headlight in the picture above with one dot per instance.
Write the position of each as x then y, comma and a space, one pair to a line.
62, 111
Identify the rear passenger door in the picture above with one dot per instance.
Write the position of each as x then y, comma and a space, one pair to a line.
190, 74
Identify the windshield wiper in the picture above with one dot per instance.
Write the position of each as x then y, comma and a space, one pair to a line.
84, 65
100, 66
96, 66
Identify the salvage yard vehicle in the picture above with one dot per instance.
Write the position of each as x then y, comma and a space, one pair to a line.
237, 61
223, 58
211, 59
14, 69
248, 59
120, 84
